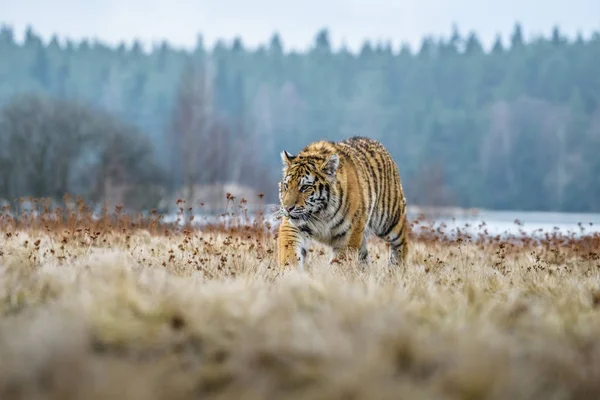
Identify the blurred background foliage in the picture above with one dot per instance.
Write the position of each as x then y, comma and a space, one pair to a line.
513, 127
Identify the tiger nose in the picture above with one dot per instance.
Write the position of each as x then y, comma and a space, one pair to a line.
290, 208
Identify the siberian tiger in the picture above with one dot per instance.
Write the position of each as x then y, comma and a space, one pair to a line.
337, 193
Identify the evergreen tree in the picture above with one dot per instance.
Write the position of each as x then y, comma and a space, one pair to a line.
497, 47
40, 71
275, 46
62, 79
322, 43
162, 57
516, 39
6, 35
456, 41
557, 38
473, 45
237, 46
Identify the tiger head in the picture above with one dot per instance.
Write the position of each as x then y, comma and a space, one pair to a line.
306, 187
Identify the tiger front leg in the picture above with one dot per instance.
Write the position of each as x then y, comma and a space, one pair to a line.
290, 253
355, 243
290, 246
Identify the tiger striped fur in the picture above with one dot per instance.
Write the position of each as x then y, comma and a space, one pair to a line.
337, 193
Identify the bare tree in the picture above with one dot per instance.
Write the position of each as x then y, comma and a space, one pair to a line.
207, 148
430, 188
189, 133
50, 147
530, 136
42, 139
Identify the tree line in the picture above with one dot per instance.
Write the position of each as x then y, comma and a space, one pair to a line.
513, 127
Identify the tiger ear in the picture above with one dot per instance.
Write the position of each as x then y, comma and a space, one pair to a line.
287, 158
331, 165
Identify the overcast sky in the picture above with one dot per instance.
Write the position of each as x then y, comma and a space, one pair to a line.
349, 21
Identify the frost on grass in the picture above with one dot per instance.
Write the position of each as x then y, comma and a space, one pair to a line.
114, 308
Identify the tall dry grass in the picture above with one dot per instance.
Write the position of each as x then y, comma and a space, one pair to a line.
129, 308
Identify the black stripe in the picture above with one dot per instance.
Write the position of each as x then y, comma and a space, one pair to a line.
323, 199
396, 246
372, 181
386, 194
342, 218
363, 151
392, 223
339, 235
380, 185
306, 229
358, 212
393, 239
396, 193
288, 228
356, 215
340, 200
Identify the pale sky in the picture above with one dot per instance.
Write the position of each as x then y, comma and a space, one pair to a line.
349, 21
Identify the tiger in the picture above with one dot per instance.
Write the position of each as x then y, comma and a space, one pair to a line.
338, 194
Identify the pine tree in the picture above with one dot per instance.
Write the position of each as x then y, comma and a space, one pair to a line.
40, 70
473, 46
322, 43
497, 47
275, 45
516, 39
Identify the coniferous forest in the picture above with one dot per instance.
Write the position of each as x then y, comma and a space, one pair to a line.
513, 127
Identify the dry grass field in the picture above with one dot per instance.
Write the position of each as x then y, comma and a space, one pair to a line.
119, 308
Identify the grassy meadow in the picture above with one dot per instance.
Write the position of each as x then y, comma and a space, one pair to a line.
129, 308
